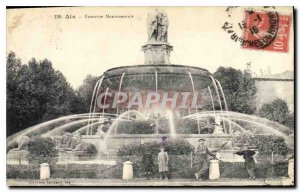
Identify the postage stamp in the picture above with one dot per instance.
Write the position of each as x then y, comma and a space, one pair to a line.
259, 29
266, 30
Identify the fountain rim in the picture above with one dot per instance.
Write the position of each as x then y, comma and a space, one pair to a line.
154, 68
157, 65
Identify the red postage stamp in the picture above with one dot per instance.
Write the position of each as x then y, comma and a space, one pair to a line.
267, 31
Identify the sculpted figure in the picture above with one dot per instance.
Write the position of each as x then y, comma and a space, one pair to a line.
22, 143
65, 141
76, 142
157, 25
163, 24
100, 131
218, 126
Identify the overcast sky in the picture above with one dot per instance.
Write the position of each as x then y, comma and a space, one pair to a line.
78, 47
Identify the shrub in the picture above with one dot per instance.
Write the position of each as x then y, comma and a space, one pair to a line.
42, 150
22, 172
271, 148
135, 127
173, 147
268, 144
179, 154
179, 166
91, 149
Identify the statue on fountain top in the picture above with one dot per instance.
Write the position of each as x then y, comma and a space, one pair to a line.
157, 26
157, 49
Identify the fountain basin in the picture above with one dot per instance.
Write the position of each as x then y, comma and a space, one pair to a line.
147, 77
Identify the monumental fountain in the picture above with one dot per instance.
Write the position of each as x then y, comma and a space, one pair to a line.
159, 100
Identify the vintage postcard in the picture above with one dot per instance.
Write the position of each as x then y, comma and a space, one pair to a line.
150, 96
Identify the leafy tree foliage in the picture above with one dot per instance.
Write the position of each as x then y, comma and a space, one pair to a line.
35, 93
277, 111
239, 89
83, 95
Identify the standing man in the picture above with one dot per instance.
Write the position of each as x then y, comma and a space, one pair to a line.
203, 153
249, 160
148, 164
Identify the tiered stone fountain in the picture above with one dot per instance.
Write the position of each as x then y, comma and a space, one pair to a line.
101, 126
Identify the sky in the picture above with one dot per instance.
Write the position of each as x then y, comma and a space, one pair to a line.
81, 46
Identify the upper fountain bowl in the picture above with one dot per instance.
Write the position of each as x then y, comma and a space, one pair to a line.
157, 77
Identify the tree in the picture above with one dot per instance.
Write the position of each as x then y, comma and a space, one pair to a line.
35, 93
82, 100
12, 69
277, 111
239, 89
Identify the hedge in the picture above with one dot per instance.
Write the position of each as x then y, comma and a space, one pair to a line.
173, 147
179, 166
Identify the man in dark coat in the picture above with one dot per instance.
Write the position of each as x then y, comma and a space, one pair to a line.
203, 152
249, 160
148, 164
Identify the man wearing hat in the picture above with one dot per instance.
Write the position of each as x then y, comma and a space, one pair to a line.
247, 154
203, 152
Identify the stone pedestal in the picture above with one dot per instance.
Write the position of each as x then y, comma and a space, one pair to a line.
157, 52
17, 157
127, 170
44, 171
214, 170
291, 170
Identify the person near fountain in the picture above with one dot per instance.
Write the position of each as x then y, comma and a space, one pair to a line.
249, 160
148, 164
163, 161
203, 152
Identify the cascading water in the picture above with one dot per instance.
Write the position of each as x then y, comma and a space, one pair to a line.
212, 101
115, 123
120, 86
267, 126
224, 98
193, 86
104, 102
93, 99
218, 95
156, 81
170, 117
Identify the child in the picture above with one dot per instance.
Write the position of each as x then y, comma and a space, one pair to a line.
163, 160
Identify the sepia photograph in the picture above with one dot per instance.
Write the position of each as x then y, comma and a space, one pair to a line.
190, 96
